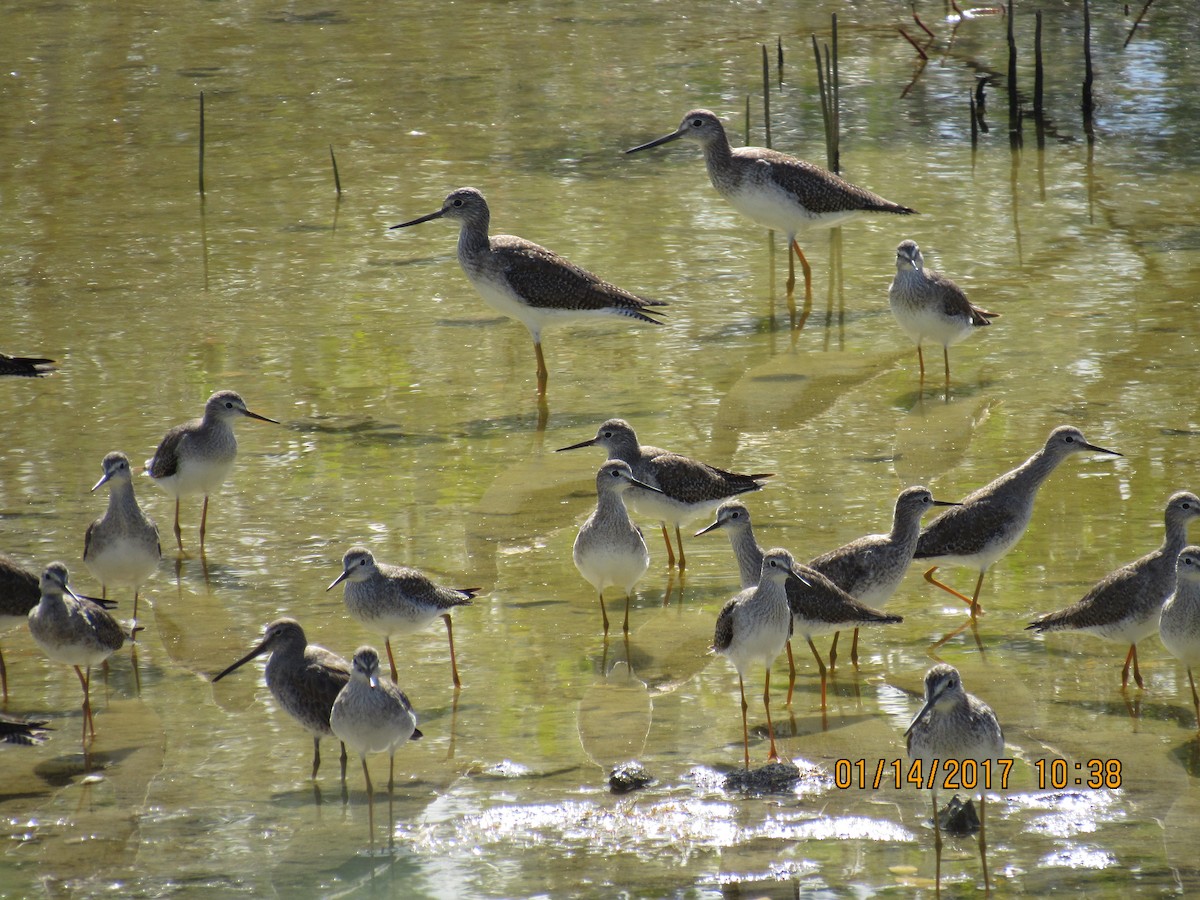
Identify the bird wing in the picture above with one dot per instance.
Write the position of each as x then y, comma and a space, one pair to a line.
817, 189
545, 280
691, 481
165, 461
723, 635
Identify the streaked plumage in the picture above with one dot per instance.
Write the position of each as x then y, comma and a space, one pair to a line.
954, 725
391, 600
990, 520
1125, 606
371, 715
19, 593
527, 282
871, 568
304, 679
818, 606
773, 189
74, 630
195, 457
687, 488
609, 550
121, 547
928, 305
1179, 626
753, 627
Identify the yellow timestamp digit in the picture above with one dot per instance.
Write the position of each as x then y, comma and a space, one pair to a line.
1094, 774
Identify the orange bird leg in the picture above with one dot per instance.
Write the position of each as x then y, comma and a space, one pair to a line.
821, 666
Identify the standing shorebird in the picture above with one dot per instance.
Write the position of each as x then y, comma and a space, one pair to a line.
304, 679
1126, 605
1179, 626
121, 547
989, 521
818, 606
74, 630
195, 457
754, 626
397, 600
953, 725
20, 592
871, 568
687, 488
928, 305
774, 189
527, 282
609, 550
373, 716
25, 366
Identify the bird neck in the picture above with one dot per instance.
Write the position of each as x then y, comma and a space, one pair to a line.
610, 505
718, 158
122, 504
749, 555
473, 239
906, 528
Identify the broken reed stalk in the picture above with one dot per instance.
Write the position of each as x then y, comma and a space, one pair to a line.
1088, 74
1014, 106
337, 181
779, 59
974, 124
746, 142
915, 45
766, 76
823, 89
1137, 22
1038, 73
201, 143
836, 81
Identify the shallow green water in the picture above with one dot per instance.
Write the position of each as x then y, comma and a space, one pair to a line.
410, 423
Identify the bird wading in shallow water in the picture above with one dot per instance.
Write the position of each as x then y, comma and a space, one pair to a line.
121, 547
195, 457
1179, 626
687, 488
303, 678
74, 630
1125, 606
397, 600
954, 725
773, 189
989, 521
610, 550
929, 306
371, 715
753, 627
871, 568
527, 282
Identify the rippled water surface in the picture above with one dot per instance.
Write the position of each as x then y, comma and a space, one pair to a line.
410, 423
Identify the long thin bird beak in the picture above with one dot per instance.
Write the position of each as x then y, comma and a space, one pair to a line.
373, 681
102, 480
674, 135
587, 443
944, 503
254, 415
338, 580
644, 486
257, 651
1096, 449
433, 215
917, 718
715, 525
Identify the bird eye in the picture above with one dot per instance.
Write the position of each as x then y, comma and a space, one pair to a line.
456, 203
616, 473
1070, 439
696, 123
